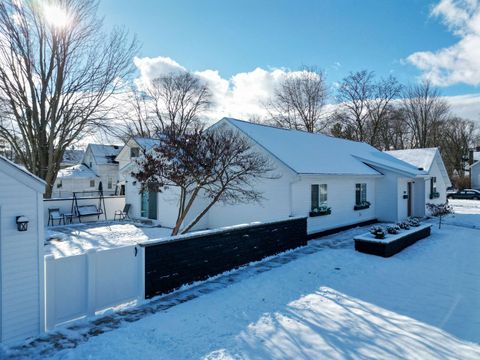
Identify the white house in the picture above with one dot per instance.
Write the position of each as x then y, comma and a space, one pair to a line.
21, 253
97, 165
475, 170
356, 181
429, 160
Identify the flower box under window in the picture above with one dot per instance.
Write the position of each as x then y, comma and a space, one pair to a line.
434, 195
321, 211
362, 206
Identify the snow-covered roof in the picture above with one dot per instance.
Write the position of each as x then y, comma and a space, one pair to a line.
31, 180
72, 157
79, 170
104, 154
423, 158
307, 153
146, 143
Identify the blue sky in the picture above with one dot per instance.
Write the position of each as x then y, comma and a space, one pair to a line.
239, 36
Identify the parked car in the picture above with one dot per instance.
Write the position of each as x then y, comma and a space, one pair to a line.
469, 194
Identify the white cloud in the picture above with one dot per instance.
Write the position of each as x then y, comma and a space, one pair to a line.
459, 63
241, 96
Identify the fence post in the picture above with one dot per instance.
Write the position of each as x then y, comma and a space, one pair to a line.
141, 273
50, 315
91, 258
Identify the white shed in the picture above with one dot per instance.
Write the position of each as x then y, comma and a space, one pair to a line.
21, 253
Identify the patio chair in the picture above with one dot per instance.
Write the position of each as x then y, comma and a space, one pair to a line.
122, 214
55, 215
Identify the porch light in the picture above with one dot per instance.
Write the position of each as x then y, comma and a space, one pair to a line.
22, 223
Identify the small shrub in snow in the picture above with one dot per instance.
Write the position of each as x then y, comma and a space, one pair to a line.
403, 225
378, 232
393, 229
440, 211
413, 222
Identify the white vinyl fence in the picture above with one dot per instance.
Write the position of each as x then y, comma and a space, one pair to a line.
79, 286
112, 203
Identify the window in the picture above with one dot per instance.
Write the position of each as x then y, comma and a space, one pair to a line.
109, 182
90, 165
92, 183
360, 194
59, 184
319, 196
433, 185
134, 152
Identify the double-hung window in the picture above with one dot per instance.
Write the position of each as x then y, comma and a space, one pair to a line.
360, 194
318, 196
433, 185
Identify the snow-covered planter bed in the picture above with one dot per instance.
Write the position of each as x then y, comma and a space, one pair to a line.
391, 244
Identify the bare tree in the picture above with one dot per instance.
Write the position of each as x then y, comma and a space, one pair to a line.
179, 99
298, 102
366, 107
216, 165
457, 137
425, 112
58, 71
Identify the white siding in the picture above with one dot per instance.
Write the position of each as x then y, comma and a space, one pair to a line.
441, 186
341, 200
21, 274
476, 176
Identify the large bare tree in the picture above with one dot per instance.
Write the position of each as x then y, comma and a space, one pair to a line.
215, 165
58, 71
365, 106
298, 101
179, 100
425, 112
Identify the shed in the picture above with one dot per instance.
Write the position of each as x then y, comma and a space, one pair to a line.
21, 253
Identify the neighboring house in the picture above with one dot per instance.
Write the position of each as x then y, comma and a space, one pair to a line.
97, 165
356, 181
429, 160
71, 157
21, 253
475, 170
145, 207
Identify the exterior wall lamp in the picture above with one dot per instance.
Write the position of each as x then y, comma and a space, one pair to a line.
22, 223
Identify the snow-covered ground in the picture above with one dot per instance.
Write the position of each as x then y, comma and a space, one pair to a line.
336, 303
467, 213
78, 238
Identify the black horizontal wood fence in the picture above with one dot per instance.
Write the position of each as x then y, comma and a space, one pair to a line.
169, 265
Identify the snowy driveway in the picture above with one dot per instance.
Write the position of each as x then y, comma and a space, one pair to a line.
335, 303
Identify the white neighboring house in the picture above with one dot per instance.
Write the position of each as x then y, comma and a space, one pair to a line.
146, 205
21, 253
475, 171
429, 160
97, 165
356, 181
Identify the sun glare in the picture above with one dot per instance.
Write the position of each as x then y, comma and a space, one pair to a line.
56, 16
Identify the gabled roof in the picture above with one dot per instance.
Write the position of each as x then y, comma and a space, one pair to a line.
146, 143
104, 154
21, 174
423, 158
77, 171
72, 157
307, 153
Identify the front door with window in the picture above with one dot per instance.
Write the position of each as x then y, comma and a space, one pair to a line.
149, 205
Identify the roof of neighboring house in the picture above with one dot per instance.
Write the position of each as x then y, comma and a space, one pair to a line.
76, 171
72, 157
422, 158
104, 154
146, 143
307, 153
24, 176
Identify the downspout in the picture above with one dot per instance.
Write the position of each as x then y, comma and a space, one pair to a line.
296, 179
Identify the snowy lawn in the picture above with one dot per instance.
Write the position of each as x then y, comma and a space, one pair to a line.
77, 238
336, 303
467, 213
